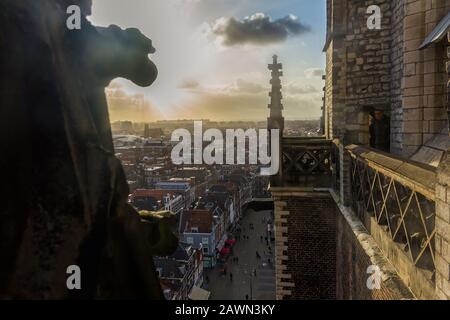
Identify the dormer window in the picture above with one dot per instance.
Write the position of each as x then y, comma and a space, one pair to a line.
194, 230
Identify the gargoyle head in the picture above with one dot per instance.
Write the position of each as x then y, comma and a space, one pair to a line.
123, 53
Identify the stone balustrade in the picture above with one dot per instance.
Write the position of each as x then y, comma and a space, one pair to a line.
305, 163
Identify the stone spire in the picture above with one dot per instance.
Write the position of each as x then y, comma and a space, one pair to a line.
276, 120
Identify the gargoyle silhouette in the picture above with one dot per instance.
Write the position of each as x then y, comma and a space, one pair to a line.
66, 198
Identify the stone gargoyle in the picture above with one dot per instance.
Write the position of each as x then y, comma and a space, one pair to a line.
64, 193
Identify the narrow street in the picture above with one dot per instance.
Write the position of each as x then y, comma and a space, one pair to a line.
244, 282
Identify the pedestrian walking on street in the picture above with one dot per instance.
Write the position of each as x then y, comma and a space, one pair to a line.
231, 277
246, 297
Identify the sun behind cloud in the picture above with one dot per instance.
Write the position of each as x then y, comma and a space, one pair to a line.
212, 58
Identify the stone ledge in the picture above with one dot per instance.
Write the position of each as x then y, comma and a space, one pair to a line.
414, 175
390, 276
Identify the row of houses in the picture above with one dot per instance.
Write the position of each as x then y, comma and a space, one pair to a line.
181, 274
208, 206
207, 201
215, 215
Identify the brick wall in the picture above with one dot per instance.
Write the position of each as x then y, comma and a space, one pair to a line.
335, 75
423, 75
322, 252
306, 247
368, 67
334, 89
398, 12
385, 69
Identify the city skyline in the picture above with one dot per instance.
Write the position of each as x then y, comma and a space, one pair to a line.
221, 73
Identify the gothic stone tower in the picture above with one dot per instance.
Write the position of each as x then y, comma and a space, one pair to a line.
276, 120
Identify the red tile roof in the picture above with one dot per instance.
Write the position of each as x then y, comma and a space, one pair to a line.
201, 219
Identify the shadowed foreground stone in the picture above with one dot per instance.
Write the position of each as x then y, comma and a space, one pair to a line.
64, 193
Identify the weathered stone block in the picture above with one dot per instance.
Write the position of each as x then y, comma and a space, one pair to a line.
412, 127
413, 139
413, 81
443, 210
443, 267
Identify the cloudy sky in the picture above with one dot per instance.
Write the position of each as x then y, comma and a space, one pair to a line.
212, 57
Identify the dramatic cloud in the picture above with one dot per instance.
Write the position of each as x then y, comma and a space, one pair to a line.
257, 29
314, 73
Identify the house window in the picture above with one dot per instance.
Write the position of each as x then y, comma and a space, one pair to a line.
205, 249
194, 230
190, 240
205, 240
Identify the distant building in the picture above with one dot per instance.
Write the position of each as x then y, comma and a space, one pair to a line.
124, 127
184, 186
155, 133
180, 272
154, 199
199, 228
